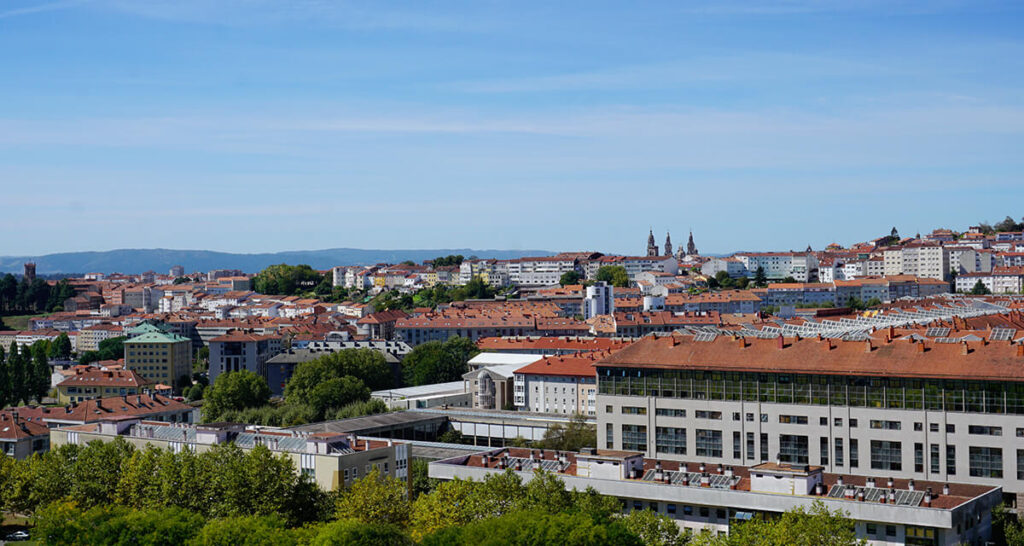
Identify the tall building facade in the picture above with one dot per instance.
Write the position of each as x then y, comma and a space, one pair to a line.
599, 300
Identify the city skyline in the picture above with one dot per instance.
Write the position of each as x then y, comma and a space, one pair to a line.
503, 126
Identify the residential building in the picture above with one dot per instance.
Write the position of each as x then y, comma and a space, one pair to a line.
928, 260
558, 384
87, 383
802, 266
924, 410
152, 407
160, 357
332, 460
380, 325
89, 338
237, 351
21, 438
600, 300
634, 265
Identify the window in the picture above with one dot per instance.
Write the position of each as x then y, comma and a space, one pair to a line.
750, 417
984, 430
704, 512
669, 412
736, 416
670, 509
1020, 464
918, 426
709, 443
951, 460
764, 447
872, 529
764, 417
737, 445
609, 436
750, 446
823, 450
886, 455
933, 458
670, 440
885, 425
793, 449
853, 423
633, 410
823, 421
890, 530
918, 457
950, 429
1020, 432
985, 462
933, 427
838, 421
701, 414
607, 409
793, 419
839, 452
687, 510
634, 437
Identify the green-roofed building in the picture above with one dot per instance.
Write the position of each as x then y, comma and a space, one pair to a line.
144, 328
160, 357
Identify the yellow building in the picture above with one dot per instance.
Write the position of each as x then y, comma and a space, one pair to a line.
160, 357
89, 383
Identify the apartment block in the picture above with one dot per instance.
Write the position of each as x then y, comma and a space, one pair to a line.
160, 357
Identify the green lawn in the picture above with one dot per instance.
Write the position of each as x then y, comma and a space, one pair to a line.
18, 322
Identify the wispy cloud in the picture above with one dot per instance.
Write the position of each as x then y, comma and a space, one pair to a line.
40, 8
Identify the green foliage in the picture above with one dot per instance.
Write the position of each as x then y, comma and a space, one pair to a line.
1008, 224
109, 349
358, 533
60, 349
873, 302
234, 391
418, 475
527, 528
375, 499
811, 527
248, 530
614, 275
337, 392
286, 280
980, 289
444, 261
742, 283
1007, 527
789, 280
569, 277
760, 278
359, 409
193, 393
438, 362
653, 529
67, 524
573, 436
367, 365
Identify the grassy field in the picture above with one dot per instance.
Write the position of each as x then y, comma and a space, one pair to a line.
18, 322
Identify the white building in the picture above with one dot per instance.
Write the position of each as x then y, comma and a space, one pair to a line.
600, 300
564, 384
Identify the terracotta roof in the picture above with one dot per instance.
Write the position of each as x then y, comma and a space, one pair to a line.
88, 377
134, 405
576, 365
14, 427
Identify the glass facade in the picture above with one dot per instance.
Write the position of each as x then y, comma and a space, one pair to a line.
670, 440
886, 455
709, 443
793, 449
986, 462
634, 437
836, 390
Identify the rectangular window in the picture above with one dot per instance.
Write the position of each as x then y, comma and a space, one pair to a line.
951, 460
918, 457
823, 421
839, 452
633, 410
669, 412
823, 451
634, 437
793, 419
750, 417
670, 440
985, 462
750, 446
933, 458
933, 427
853, 423
609, 436
709, 443
886, 455
735, 416
885, 425
838, 421
1020, 464
701, 414
793, 449
737, 445
984, 430
854, 453
764, 447
950, 429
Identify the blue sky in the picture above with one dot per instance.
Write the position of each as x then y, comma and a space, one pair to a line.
264, 125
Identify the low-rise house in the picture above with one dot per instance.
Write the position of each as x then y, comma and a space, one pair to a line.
21, 438
86, 383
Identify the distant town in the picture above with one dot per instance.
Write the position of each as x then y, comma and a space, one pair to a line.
881, 378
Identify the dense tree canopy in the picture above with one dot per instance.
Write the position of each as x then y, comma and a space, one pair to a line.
234, 391
109, 349
573, 436
816, 526
615, 275
569, 277
443, 261
438, 362
286, 280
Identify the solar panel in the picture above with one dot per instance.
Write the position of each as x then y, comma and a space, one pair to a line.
705, 336
946, 340
937, 331
837, 491
1003, 334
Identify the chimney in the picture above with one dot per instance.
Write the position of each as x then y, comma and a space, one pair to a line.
928, 498
870, 483
743, 343
686, 476
839, 480
867, 346
964, 348
892, 496
860, 495
911, 484
1020, 350
701, 467
920, 346
889, 483
819, 489
945, 489
705, 480
781, 342
849, 492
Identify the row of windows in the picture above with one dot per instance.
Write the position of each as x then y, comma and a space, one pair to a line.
856, 391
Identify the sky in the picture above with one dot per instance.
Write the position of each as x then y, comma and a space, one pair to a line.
267, 125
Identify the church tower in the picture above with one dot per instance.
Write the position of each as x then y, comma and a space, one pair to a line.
691, 249
668, 244
652, 248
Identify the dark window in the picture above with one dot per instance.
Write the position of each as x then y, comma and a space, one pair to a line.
986, 462
918, 457
951, 460
737, 445
854, 453
886, 455
670, 440
933, 427
750, 446
823, 448
709, 443
634, 437
933, 458
853, 423
985, 430
793, 449
823, 421
764, 447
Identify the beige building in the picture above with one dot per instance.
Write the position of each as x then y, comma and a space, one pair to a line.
333, 460
89, 338
159, 357
88, 383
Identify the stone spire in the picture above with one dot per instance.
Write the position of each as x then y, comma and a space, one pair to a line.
668, 244
652, 248
691, 249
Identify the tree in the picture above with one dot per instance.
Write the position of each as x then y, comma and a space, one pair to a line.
653, 529
65, 523
60, 349
366, 365
286, 280
193, 393
1009, 224
448, 260
873, 302
6, 394
360, 533
253, 530
18, 374
980, 289
789, 280
569, 277
39, 377
336, 393
814, 526
614, 275
8, 292
724, 280
760, 278
524, 527
573, 436
742, 283
437, 362
375, 499
235, 391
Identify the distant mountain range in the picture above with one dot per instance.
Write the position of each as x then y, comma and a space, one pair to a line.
161, 260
